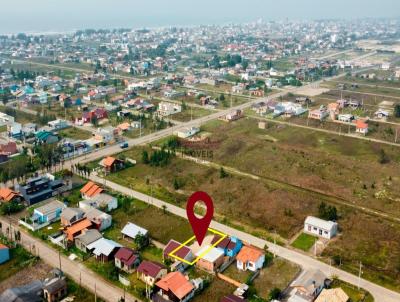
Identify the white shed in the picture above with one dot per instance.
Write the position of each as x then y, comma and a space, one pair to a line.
320, 227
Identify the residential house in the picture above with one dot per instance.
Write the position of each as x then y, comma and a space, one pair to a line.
4, 253
381, 114
8, 149
69, 216
342, 103
6, 119
127, 259
55, 289
167, 108
87, 237
124, 127
58, 124
230, 245
43, 187
332, 295
46, 137
307, 286
320, 227
14, 130
318, 114
187, 132
104, 249
112, 164
250, 258
99, 219
211, 259
131, 230
101, 201
346, 118
184, 252
174, 287
29, 129
77, 228
90, 190
49, 212
333, 110
150, 272
233, 116
361, 127
8, 195
97, 114
106, 135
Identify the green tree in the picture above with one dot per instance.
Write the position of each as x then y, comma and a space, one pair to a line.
397, 110
222, 173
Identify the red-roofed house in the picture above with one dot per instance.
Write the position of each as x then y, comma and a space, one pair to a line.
127, 259
173, 287
361, 127
150, 272
183, 252
9, 148
88, 116
112, 164
90, 190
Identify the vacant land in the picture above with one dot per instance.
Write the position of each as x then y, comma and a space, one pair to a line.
19, 259
278, 275
190, 114
356, 295
75, 133
304, 242
215, 290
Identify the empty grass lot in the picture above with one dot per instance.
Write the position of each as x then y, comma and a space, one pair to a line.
304, 242
75, 133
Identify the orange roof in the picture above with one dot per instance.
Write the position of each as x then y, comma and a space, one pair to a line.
77, 227
108, 161
6, 194
361, 124
177, 283
91, 189
124, 126
249, 253
2, 246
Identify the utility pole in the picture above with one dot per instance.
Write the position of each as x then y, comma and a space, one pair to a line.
359, 275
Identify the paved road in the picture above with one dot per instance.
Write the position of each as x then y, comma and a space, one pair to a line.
77, 271
380, 293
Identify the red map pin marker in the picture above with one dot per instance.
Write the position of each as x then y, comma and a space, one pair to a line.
200, 225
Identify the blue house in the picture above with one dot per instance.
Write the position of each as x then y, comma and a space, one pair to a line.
49, 212
4, 253
230, 245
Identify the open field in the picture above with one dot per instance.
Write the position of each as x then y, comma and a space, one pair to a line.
189, 114
216, 289
75, 133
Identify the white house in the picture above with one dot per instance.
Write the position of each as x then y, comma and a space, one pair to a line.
6, 119
131, 230
102, 200
100, 219
167, 108
187, 132
250, 258
58, 124
320, 227
381, 114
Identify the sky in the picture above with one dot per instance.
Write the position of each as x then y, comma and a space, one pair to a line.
67, 15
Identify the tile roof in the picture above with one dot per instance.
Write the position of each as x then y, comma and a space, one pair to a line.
7, 195
91, 189
77, 227
3, 247
150, 268
108, 161
177, 283
249, 253
332, 295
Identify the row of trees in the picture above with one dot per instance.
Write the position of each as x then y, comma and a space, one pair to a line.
158, 158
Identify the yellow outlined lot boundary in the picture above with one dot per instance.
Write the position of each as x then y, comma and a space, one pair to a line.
223, 236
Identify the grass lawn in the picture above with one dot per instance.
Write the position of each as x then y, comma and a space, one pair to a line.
240, 276
19, 259
80, 293
215, 291
75, 133
161, 226
304, 242
277, 275
355, 295
188, 114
